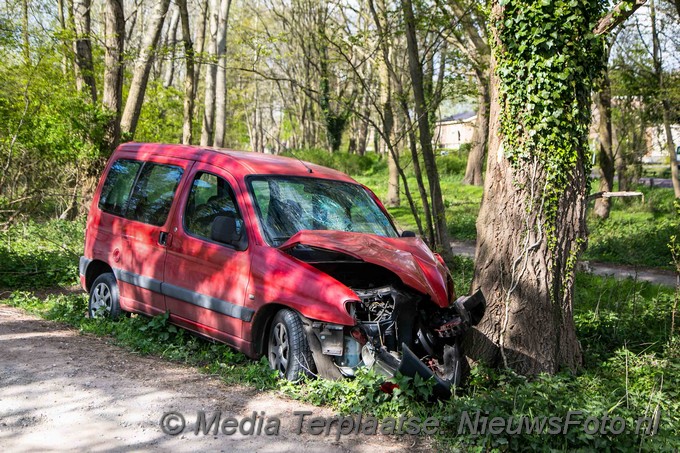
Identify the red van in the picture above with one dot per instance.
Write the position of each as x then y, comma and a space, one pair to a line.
275, 256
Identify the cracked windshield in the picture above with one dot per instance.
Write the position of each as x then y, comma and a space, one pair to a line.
286, 205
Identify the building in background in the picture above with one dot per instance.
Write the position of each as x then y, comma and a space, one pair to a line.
454, 130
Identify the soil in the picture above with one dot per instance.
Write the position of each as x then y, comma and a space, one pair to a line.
61, 390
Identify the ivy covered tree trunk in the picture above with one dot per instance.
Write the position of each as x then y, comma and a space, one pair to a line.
531, 227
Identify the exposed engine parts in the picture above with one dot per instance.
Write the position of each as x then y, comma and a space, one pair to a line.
400, 330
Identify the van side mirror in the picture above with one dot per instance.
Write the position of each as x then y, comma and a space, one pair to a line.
225, 230
408, 234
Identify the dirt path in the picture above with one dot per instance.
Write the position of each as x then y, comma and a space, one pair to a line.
618, 271
60, 390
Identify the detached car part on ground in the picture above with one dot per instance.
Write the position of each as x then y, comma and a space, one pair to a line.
274, 257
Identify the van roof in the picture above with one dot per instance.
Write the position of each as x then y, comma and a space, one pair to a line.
239, 163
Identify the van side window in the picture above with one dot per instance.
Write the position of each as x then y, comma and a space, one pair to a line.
210, 197
116, 190
153, 193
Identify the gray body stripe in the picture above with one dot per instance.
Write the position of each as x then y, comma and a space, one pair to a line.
211, 303
138, 280
183, 294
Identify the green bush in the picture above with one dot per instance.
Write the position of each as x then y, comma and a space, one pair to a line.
38, 255
352, 164
451, 164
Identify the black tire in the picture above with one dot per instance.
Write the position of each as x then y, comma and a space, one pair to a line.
287, 348
104, 298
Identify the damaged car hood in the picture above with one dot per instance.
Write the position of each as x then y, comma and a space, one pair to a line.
409, 258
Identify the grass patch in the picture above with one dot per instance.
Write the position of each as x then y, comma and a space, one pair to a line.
637, 231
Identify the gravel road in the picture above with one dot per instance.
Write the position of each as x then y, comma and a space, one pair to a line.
60, 390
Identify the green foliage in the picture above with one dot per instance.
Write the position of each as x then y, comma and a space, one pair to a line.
451, 164
352, 164
161, 119
36, 255
48, 133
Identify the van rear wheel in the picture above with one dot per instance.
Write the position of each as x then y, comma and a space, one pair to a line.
104, 297
288, 350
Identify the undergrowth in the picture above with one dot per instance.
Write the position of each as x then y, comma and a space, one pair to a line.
632, 370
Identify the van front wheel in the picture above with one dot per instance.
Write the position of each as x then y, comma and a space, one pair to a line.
104, 298
288, 350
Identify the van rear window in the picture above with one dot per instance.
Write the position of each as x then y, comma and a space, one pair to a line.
117, 187
153, 193
150, 199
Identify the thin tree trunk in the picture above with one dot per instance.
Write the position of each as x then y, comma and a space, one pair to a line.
665, 104
189, 81
221, 82
83, 49
25, 33
210, 76
62, 27
388, 134
199, 41
140, 77
442, 241
170, 49
415, 159
362, 136
474, 172
606, 150
112, 98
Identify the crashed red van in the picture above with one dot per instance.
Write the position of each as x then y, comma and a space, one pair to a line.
272, 256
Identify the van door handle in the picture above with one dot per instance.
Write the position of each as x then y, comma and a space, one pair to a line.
165, 238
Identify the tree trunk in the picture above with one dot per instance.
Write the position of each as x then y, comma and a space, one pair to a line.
170, 49
413, 146
675, 176
605, 154
531, 226
665, 104
210, 76
442, 241
362, 136
83, 49
200, 43
62, 30
25, 32
112, 98
522, 328
388, 134
189, 80
221, 82
474, 172
140, 76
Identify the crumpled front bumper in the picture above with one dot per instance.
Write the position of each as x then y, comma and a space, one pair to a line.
471, 309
